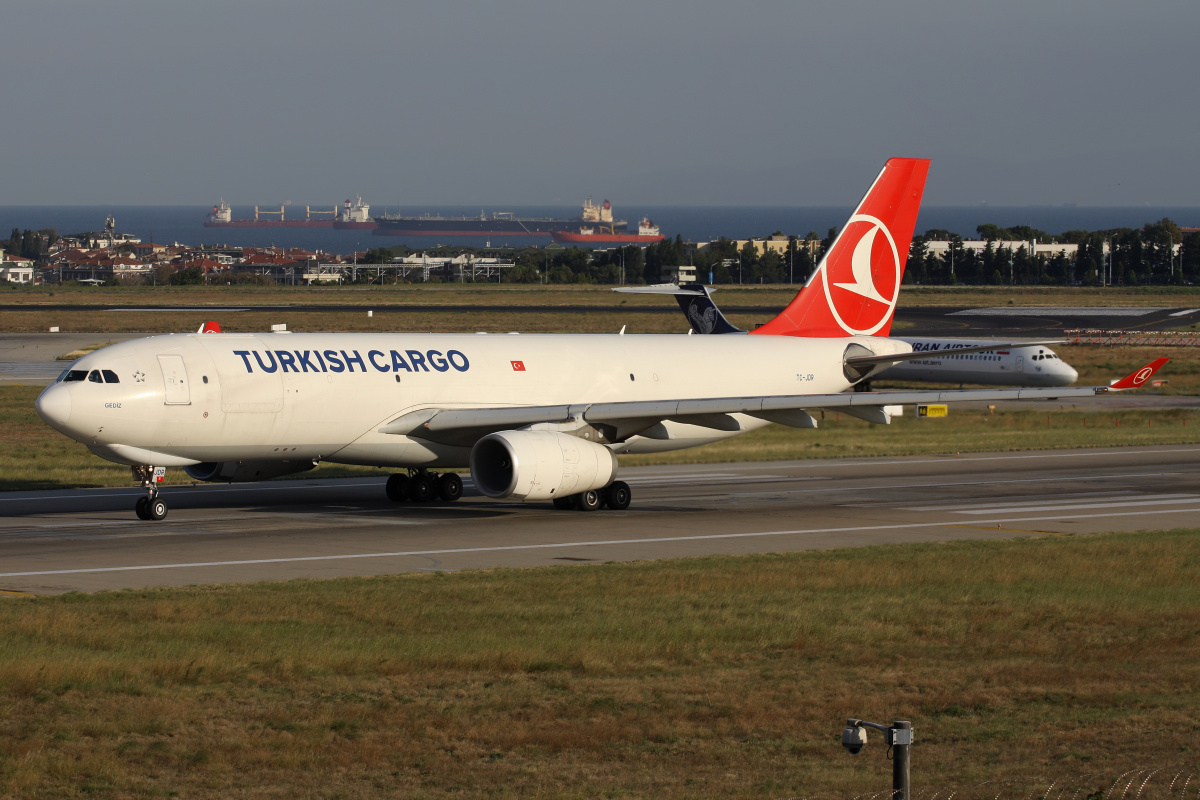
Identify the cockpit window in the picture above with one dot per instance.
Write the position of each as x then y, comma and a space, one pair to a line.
74, 375
94, 376
110, 376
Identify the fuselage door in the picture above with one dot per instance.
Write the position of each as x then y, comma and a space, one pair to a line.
175, 380
1020, 363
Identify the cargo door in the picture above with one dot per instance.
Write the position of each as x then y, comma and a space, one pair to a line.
243, 391
175, 380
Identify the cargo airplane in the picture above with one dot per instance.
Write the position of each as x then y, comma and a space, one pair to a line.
1006, 364
534, 417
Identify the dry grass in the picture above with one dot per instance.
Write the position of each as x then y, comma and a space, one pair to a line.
713, 677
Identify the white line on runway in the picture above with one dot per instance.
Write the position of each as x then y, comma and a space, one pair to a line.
1192, 499
177, 490
952, 483
560, 545
1043, 499
814, 464
1184, 313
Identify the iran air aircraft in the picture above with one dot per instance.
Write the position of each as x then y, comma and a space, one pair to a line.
534, 417
945, 360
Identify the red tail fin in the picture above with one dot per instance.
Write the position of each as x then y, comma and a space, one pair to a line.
1140, 377
854, 289
210, 327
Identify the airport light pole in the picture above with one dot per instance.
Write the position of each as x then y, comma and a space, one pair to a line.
1111, 248
898, 737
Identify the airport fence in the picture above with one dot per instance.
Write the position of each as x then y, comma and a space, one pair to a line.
1135, 338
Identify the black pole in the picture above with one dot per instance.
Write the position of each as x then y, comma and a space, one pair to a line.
901, 735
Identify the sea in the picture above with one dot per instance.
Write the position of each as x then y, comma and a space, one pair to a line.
184, 224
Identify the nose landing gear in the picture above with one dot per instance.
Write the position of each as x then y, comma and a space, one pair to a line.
150, 507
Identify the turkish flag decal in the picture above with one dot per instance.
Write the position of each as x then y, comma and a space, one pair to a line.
518, 366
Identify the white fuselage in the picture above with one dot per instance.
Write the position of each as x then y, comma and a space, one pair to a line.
1007, 366
187, 398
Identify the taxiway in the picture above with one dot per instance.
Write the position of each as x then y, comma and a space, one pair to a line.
88, 540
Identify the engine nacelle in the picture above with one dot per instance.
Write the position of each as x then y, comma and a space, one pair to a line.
540, 465
242, 471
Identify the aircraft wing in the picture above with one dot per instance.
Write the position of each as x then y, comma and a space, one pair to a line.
620, 420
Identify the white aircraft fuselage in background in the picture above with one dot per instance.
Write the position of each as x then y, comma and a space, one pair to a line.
1013, 365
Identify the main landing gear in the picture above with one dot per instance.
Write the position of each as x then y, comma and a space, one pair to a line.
615, 496
420, 486
150, 507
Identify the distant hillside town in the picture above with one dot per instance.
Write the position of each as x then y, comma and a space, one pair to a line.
1158, 253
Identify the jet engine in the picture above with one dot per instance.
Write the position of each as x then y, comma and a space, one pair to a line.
540, 465
242, 471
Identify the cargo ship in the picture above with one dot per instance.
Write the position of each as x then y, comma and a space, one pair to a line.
355, 216
647, 233
221, 216
500, 223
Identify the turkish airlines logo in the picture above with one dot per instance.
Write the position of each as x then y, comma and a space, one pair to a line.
862, 279
1142, 375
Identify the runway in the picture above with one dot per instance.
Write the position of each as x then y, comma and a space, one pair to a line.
89, 540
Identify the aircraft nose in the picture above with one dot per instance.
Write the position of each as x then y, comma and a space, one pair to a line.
54, 406
1071, 372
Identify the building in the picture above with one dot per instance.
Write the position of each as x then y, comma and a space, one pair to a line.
776, 244
939, 248
681, 275
16, 269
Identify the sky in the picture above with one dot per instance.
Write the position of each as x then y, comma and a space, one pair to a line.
545, 102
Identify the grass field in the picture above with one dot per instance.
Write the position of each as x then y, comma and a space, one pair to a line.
1029, 659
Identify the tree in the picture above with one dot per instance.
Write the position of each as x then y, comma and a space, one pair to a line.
748, 263
827, 242
770, 267
189, 276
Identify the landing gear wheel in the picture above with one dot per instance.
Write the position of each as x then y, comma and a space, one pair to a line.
588, 501
617, 496
157, 509
564, 503
397, 488
420, 489
140, 509
449, 487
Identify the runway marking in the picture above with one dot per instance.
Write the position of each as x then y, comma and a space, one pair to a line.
1184, 313
177, 490
10, 593
1049, 311
316, 517
715, 481
1073, 506
841, 462
1074, 498
954, 483
560, 545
